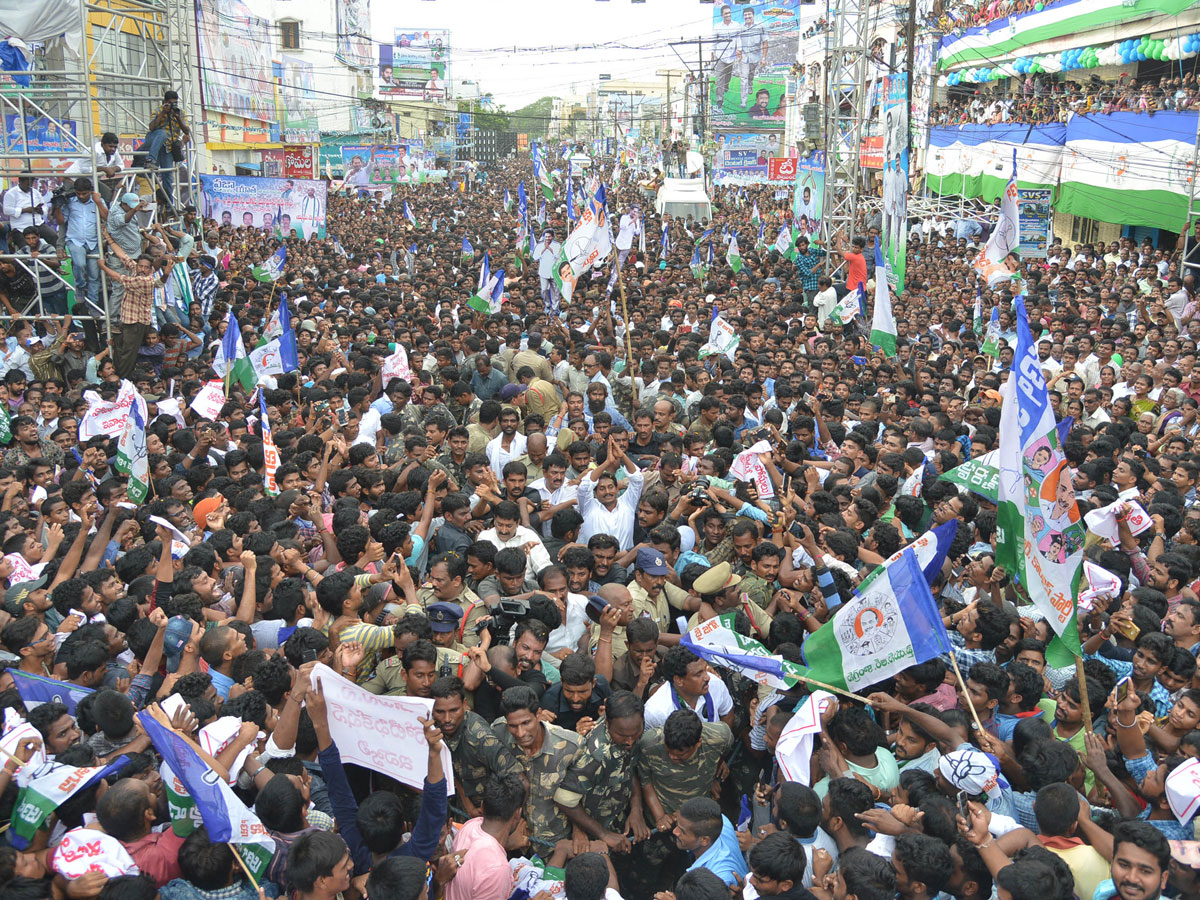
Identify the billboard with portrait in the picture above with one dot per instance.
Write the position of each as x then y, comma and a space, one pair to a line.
754, 46
895, 177
404, 163
416, 64
354, 45
269, 203
298, 95
744, 157
235, 60
808, 198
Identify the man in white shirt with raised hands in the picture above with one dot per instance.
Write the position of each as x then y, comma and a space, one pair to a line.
603, 511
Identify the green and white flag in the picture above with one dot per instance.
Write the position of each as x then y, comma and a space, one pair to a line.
786, 243
979, 476
847, 308
271, 270
1040, 534
722, 338
755, 218
488, 298
716, 641
991, 340
977, 319
883, 322
892, 625
45, 787
231, 361
733, 255
132, 457
5, 425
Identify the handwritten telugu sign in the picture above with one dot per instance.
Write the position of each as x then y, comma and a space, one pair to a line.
380, 733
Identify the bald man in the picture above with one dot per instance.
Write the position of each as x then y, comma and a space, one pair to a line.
535, 455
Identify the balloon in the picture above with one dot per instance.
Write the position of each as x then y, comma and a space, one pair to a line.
1039, 7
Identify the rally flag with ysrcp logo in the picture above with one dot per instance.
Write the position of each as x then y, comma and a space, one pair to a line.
1039, 535
979, 476
892, 624
586, 246
883, 322
47, 786
716, 641
225, 816
133, 459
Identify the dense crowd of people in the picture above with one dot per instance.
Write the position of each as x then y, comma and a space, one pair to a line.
1040, 100
522, 529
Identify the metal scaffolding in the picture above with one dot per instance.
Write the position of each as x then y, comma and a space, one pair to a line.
846, 89
132, 52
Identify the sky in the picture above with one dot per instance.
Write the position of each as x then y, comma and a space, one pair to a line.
484, 33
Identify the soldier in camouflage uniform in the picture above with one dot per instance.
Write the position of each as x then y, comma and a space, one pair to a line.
680, 761
676, 762
474, 748
596, 793
545, 751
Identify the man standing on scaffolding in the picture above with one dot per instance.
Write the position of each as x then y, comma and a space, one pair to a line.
164, 143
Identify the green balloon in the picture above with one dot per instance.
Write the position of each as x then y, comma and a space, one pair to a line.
1039, 6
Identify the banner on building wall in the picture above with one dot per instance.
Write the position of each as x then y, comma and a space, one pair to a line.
298, 162
416, 64
280, 204
354, 45
298, 99
754, 47
1124, 167
1034, 222
895, 177
745, 157
235, 60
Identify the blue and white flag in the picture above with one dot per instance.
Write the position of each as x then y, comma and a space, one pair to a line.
408, 214
270, 451
890, 624
272, 269
226, 817
929, 550
522, 203
570, 204
1039, 534
468, 251
36, 690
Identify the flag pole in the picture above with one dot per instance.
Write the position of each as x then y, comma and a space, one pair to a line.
242, 863
633, 393
966, 695
829, 687
1083, 695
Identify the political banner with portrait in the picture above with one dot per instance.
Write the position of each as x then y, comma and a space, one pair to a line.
895, 178
235, 60
366, 166
808, 198
281, 204
416, 64
354, 45
298, 97
744, 157
754, 46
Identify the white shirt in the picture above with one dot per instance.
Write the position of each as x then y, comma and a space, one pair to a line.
547, 257
565, 492
537, 557
825, 301
99, 158
498, 457
618, 521
16, 199
662, 703
368, 426
575, 624
627, 231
